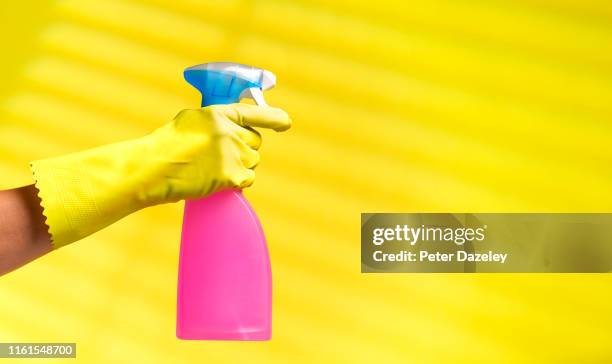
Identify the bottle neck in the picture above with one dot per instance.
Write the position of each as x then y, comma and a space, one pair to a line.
217, 100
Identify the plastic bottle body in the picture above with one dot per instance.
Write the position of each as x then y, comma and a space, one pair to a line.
224, 285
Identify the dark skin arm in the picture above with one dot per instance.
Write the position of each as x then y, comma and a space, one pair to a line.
23, 233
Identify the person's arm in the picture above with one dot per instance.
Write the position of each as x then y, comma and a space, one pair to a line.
198, 153
23, 233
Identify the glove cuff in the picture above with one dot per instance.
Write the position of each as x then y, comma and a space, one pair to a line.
67, 201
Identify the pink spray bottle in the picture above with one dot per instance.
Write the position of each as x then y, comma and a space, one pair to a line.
224, 281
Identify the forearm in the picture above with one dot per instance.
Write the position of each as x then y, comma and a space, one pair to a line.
23, 233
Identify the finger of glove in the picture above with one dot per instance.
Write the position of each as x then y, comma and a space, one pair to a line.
248, 157
247, 134
244, 178
257, 116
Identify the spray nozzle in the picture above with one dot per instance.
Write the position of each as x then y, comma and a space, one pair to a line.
226, 82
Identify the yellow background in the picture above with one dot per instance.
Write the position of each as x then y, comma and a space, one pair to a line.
462, 106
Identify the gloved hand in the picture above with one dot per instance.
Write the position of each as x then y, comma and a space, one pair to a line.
198, 153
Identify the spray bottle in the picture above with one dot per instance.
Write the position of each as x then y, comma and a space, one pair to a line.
224, 282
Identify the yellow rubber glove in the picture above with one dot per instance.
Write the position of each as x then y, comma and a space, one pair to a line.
198, 153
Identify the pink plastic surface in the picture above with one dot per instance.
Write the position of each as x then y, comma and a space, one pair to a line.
224, 284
